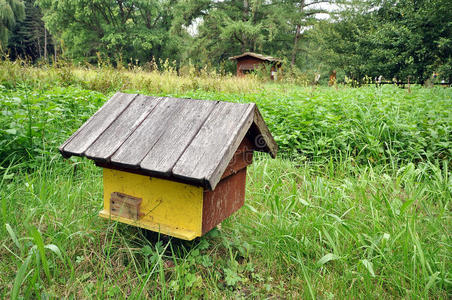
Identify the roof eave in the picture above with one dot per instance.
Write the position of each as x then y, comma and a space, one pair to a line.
255, 55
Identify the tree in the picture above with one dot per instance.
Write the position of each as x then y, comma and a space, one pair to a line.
125, 30
302, 14
10, 12
29, 38
393, 38
229, 27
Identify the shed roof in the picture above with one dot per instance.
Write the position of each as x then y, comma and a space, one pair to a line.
256, 55
188, 140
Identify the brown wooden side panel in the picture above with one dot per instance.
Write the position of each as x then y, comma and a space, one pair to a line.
247, 63
243, 157
228, 197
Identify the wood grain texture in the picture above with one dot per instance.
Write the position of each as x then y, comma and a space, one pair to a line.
264, 140
227, 152
228, 197
141, 141
61, 148
125, 206
243, 157
208, 155
186, 140
90, 131
177, 136
114, 136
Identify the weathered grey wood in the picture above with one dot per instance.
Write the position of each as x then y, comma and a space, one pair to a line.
113, 137
187, 140
141, 141
90, 131
84, 124
210, 149
178, 135
265, 138
125, 206
213, 176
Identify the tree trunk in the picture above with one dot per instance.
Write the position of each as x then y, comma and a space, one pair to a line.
38, 42
245, 10
297, 36
45, 44
55, 50
244, 19
294, 52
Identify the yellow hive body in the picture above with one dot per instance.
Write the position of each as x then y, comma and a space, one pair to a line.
201, 148
167, 207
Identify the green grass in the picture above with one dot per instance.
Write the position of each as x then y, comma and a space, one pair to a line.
356, 206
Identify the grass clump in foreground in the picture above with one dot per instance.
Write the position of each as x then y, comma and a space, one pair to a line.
323, 220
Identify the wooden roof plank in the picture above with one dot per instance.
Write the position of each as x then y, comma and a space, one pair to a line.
213, 141
93, 128
186, 140
61, 148
115, 135
227, 153
141, 141
177, 137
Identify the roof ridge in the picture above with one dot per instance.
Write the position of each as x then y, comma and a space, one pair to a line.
256, 55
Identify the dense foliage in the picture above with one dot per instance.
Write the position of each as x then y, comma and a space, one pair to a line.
31, 119
405, 40
11, 11
29, 38
129, 30
395, 39
369, 125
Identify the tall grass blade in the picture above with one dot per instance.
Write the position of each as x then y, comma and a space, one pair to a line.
13, 237
20, 276
41, 250
56, 250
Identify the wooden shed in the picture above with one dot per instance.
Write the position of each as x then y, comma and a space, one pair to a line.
250, 61
175, 166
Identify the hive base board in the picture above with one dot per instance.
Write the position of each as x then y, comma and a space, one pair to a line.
160, 228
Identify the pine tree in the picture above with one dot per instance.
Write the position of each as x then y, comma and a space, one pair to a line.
10, 12
28, 38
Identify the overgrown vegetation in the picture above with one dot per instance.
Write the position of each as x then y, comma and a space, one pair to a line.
357, 204
403, 39
370, 125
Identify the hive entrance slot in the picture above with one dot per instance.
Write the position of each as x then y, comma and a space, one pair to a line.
125, 206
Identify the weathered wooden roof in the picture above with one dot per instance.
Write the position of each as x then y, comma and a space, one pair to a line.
256, 55
188, 140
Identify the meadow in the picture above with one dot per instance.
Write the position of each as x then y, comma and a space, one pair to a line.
357, 204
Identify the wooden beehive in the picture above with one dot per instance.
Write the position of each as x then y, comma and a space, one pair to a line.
249, 61
175, 166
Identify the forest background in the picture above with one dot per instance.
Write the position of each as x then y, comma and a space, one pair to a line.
395, 39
